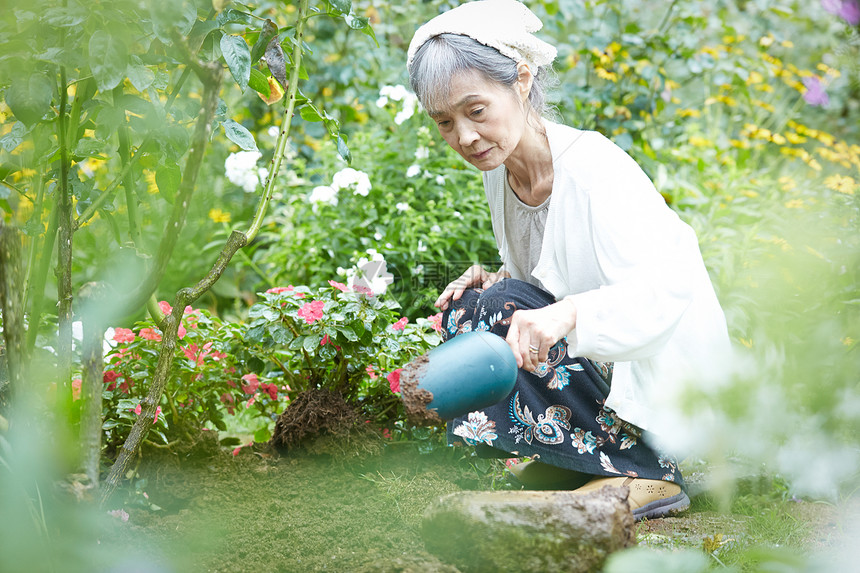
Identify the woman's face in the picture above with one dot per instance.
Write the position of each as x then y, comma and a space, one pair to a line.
482, 120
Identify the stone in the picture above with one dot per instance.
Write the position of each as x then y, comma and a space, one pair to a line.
529, 530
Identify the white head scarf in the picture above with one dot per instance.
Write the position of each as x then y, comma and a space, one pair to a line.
506, 25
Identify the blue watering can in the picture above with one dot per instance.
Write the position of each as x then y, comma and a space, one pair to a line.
469, 372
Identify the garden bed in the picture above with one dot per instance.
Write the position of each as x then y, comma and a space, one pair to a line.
307, 512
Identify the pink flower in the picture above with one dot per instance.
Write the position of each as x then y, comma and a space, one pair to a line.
227, 397
339, 286
312, 311
123, 335
510, 462
386, 433
279, 290
250, 402
394, 380
400, 324
138, 409
165, 307
157, 412
325, 340
848, 10
371, 372
436, 321
182, 331
252, 383
76, 389
150, 334
119, 514
271, 389
362, 289
815, 94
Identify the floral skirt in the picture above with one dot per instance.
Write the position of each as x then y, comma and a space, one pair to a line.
556, 414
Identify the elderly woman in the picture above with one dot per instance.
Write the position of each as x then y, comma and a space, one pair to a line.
602, 294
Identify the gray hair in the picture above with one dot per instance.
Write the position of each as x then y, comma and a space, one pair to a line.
442, 57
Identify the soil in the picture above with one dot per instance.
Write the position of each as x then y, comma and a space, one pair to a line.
307, 511
314, 412
416, 399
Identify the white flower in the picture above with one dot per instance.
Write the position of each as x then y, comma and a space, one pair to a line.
241, 169
370, 274
402, 207
421, 246
273, 131
395, 93
458, 215
324, 194
435, 229
413, 170
422, 153
348, 177
424, 130
440, 179
378, 236
382, 101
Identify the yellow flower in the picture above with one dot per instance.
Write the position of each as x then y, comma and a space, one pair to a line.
755, 78
149, 177
794, 138
841, 184
794, 203
767, 88
713, 52
689, 113
327, 91
825, 138
219, 216
815, 165
847, 341
786, 183
764, 105
746, 342
749, 193
602, 73
765, 41
697, 141
778, 139
739, 143
787, 44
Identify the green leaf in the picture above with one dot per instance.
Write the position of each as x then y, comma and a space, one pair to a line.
168, 15
355, 22
168, 178
311, 342
64, 17
14, 138
140, 76
237, 133
343, 150
30, 98
259, 83
238, 58
269, 31
310, 113
342, 6
108, 59
89, 148
276, 61
348, 333
262, 435
232, 16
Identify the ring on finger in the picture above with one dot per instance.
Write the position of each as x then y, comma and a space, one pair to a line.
533, 349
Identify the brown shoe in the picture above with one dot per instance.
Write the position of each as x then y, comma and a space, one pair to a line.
648, 499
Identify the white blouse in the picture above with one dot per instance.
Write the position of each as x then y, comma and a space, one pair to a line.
633, 269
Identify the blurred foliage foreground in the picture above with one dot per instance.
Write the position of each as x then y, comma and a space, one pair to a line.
136, 136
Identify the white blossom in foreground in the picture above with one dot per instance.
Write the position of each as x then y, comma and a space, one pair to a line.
370, 275
413, 170
402, 207
422, 152
324, 194
241, 169
401, 94
350, 177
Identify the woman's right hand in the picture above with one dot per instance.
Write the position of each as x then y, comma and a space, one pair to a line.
475, 276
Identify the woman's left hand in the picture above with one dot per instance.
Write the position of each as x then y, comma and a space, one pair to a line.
539, 329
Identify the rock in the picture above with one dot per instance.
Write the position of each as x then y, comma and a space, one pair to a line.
529, 530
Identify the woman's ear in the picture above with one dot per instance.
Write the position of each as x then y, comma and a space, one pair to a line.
524, 81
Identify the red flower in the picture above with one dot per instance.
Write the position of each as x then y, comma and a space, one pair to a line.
400, 324
182, 331
436, 321
386, 433
371, 373
279, 290
252, 383
394, 380
150, 334
123, 335
110, 378
157, 412
362, 289
312, 311
76, 389
138, 409
339, 286
325, 340
227, 397
271, 389
165, 307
